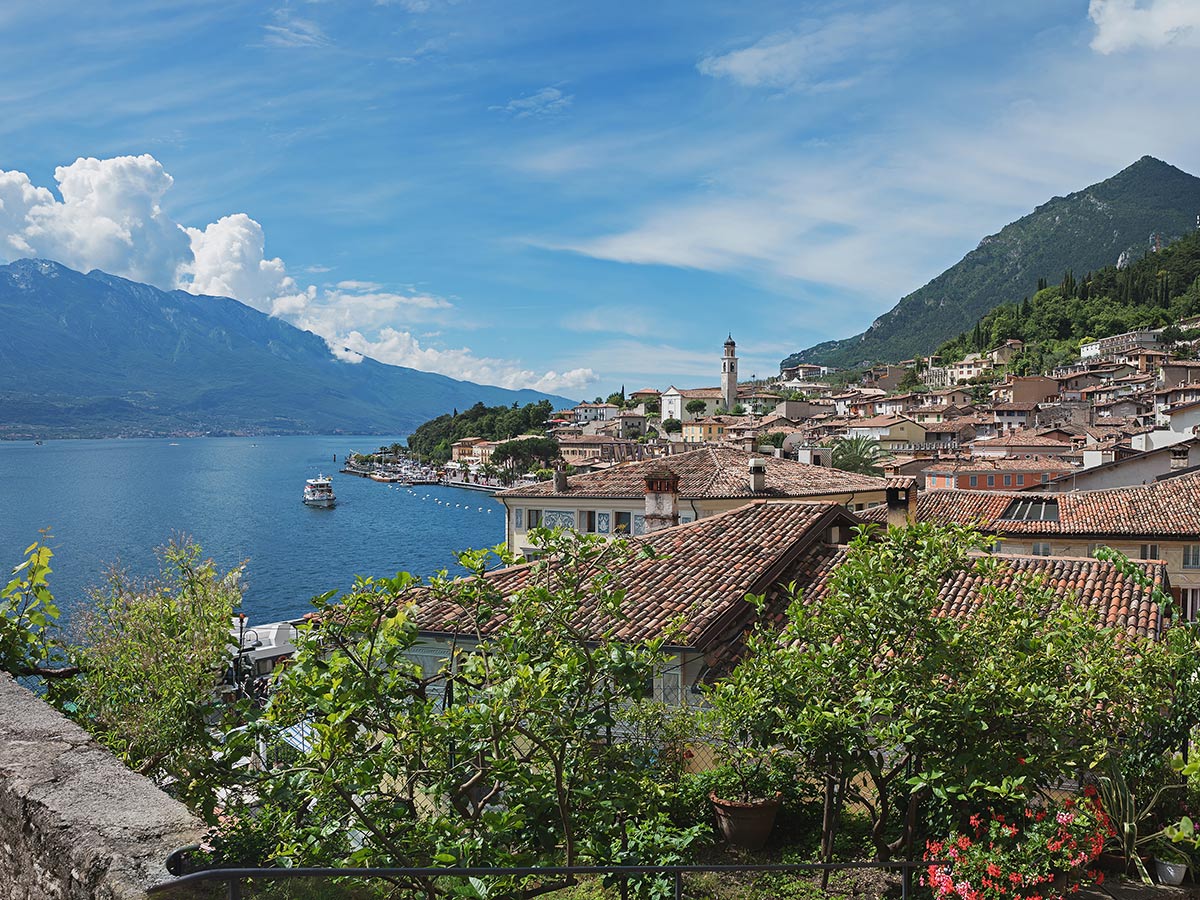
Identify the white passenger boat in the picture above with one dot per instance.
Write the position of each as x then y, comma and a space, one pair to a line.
319, 491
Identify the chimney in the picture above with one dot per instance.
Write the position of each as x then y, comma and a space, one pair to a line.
758, 475
1179, 456
901, 501
662, 500
560, 480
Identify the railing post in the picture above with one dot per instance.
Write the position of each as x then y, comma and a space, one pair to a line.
235, 889
678, 885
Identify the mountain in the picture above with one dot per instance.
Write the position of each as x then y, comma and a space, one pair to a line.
97, 355
1083, 231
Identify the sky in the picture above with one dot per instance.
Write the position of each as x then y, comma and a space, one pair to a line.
569, 196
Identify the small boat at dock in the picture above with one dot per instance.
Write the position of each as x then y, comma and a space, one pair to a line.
319, 492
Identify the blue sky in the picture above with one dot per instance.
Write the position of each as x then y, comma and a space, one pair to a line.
569, 196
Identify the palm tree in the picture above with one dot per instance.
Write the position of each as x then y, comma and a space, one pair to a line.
857, 454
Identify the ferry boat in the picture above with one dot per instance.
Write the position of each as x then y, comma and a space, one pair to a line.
319, 491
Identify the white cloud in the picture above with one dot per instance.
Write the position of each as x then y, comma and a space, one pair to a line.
18, 196
548, 101
1125, 24
110, 217
228, 261
611, 320
401, 348
830, 53
289, 31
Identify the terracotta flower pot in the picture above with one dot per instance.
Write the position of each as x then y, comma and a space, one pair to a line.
746, 824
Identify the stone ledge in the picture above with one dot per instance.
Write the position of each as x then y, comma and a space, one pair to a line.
76, 824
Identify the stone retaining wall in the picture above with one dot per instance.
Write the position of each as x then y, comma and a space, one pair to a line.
75, 824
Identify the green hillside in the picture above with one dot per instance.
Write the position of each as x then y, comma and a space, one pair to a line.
1082, 232
432, 440
1155, 291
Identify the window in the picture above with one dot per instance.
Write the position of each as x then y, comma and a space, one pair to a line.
534, 517
1189, 602
557, 518
974, 481
518, 519
1045, 478
1150, 551
624, 523
1042, 509
1008, 481
1191, 556
587, 521
1020, 481
991, 480
1040, 548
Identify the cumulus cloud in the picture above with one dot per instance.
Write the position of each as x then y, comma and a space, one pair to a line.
548, 101
110, 217
1124, 24
821, 54
228, 260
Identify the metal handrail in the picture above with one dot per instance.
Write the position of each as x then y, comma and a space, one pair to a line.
234, 877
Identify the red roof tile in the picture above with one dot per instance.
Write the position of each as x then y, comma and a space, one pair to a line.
1163, 509
707, 474
701, 572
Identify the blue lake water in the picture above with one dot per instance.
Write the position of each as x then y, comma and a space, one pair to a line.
240, 498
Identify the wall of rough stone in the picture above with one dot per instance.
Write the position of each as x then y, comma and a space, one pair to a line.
75, 824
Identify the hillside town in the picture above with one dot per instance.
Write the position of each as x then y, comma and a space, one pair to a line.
1103, 452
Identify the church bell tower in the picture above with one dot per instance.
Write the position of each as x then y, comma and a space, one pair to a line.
729, 376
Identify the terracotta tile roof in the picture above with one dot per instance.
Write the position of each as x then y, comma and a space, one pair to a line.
879, 421
1015, 407
700, 575
706, 474
953, 426
708, 393
1022, 439
1120, 602
1163, 509
1003, 464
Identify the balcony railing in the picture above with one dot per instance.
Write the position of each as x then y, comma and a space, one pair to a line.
235, 878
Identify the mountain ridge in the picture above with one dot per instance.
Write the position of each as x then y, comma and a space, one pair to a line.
1082, 231
98, 355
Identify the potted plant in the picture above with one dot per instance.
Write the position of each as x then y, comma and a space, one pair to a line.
1170, 863
1132, 829
740, 728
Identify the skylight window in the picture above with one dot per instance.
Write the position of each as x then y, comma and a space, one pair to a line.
1035, 510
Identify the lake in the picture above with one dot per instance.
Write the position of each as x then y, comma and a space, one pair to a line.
240, 498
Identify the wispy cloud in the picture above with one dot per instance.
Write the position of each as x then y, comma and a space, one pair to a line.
1124, 24
290, 31
816, 55
549, 101
612, 320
